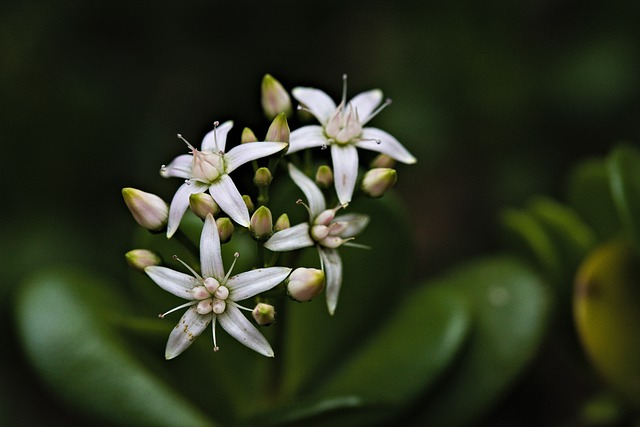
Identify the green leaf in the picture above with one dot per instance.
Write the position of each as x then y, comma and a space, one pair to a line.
624, 177
63, 320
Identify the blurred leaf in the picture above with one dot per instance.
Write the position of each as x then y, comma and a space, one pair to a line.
62, 320
510, 307
624, 175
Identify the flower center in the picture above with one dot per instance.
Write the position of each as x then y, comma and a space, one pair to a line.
344, 126
206, 166
212, 299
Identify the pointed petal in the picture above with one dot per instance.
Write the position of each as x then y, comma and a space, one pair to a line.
179, 167
227, 196
175, 282
388, 145
357, 223
241, 154
307, 137
216, 140
236, 325
332, 266
210, 252
180, 202
289, 239
345, 170
314, 196
365, 103
250, 283
186, 331
317, 102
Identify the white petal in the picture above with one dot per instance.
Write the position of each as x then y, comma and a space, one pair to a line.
227, 196
365, 103
236, 325
345, 170
332, 266
210, 252
250, 283
307, 137
175, 282
289, 239
243, 153
216, 140
357, 223
314, 196
317, 102
186, 331
388, 145
179, 167
180, 202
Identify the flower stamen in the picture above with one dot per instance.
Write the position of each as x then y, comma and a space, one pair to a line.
235, 258
195, 274
382, 106
188, 304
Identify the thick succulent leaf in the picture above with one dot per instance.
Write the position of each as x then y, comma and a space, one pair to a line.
624, 179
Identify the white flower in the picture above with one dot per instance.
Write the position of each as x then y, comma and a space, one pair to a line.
341, 128
208, 169
325, 231
213, 296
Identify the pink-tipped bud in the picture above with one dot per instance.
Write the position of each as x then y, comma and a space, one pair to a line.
274, 98
382, 161
249, 203
248, 136
202, 204
282, 223
149, 210
278, 130
264, 314
324, 176
261, 226
138, 259
262, 178
378, 181
225, 229
304, 284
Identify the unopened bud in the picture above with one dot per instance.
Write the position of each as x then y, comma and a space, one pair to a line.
383, 161
141, 258
203, 204
262, 177
249, 203
304, 284
261, 226
225, 229
274, 98
278, 130
248, 136
264, 314
324, 176
149, 210
378, 181
282, 223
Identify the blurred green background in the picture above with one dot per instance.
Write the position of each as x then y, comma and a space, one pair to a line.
497, 99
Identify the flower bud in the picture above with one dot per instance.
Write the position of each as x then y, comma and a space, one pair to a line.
304, 284
141, 258
382, 161
249, 203
149, 210
274, 98
203, 204
262, 177
324, 176
378, 181
264, 314
282, 223
248, 136
278, 130
225, 229
261, 226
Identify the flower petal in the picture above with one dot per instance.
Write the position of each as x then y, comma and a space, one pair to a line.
388, 145
250, 283
365, 103
186, 331
180, 202
357, 223
314, 196
227, 196
345, 170
175, 282
332, 267
179, 167
236, 325
216, 140
243, 153
210, 252
289, 239
307, 137
316, 101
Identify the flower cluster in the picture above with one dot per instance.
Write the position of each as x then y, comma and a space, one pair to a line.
208, 191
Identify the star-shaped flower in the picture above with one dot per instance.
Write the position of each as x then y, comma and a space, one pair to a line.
209, 169
212, 296
342, 129
325, 231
